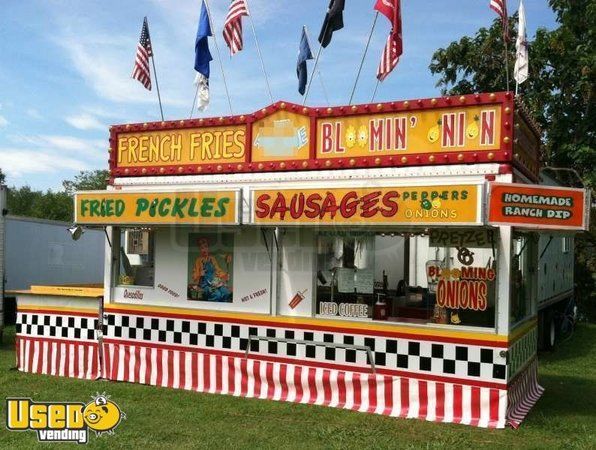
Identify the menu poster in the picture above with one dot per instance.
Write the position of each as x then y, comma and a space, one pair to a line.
364, 281
345, 280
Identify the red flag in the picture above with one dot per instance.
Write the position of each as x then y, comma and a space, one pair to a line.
394, 46
500, 7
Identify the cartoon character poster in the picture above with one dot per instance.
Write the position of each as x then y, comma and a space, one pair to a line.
210, 267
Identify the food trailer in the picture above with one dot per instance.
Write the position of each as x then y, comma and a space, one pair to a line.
379, 258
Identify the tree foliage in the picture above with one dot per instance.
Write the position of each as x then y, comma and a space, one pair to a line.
51, 205
559, 92
560, 88
90, 180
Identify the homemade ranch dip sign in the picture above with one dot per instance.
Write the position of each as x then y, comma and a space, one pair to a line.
145, 208
448, 205
289, 137
533, 206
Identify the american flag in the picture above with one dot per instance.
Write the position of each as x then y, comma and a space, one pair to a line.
500, 7
394, 46
232, 29
141, 70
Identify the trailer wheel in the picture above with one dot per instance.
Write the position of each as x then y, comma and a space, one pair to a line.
549, 338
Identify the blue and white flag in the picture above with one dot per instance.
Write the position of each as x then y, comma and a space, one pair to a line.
303, 55
203, 57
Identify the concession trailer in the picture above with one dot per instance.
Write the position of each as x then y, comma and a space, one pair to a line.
381, 258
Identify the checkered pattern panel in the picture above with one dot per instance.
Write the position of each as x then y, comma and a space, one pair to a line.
438, 358
56, 326
522, 350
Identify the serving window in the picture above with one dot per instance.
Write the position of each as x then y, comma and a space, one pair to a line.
135, 257
407, 277
225, 269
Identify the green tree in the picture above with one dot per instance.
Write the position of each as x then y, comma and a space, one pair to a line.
90, 180
2, 177
51, 205
561, 85
559, 92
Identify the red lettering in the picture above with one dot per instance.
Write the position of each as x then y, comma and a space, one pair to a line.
376, 135
262, 208
329, 206
297, 206
441, 295
338, 133
401, 127
390, 202
487, 127
326, 140
279, 207
482, 290
349, 205
313, 208
369, 202
448, 131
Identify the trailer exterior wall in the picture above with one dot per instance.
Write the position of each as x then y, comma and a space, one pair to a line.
42, 252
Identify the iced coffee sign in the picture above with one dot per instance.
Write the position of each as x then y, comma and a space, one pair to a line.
533, 206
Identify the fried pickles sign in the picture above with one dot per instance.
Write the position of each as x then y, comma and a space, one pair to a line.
448, 205
531, 206
160, 208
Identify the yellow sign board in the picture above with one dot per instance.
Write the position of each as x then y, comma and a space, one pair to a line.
454, 129
180, 147
159, 208
379, 205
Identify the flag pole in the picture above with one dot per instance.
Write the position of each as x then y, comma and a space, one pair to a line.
318, 71
312, 73
254, 33
155, 73
314, 69
506, 62
223, 75
194, 102
375, 91
372, 28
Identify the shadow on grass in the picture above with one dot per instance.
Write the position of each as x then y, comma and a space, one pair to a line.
568, 395
582, 343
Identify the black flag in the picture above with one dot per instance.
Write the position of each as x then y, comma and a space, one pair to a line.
334, 20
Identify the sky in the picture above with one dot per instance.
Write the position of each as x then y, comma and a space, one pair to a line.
65, 67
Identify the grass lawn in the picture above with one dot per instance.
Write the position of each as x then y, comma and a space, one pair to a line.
565, 417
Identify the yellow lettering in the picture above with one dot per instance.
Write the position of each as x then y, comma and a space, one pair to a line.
176, 147
143, 148
133, 144
163, 156
122, 148
39, 418
239, 141
154, 149
227, 143
195, 142
75, 417
217, 135
57, 416
205, 148
18, 414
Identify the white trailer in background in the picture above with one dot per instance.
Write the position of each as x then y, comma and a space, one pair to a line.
556, 270
41, 252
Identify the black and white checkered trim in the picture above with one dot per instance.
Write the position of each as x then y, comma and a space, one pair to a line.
438, 358
56, 326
